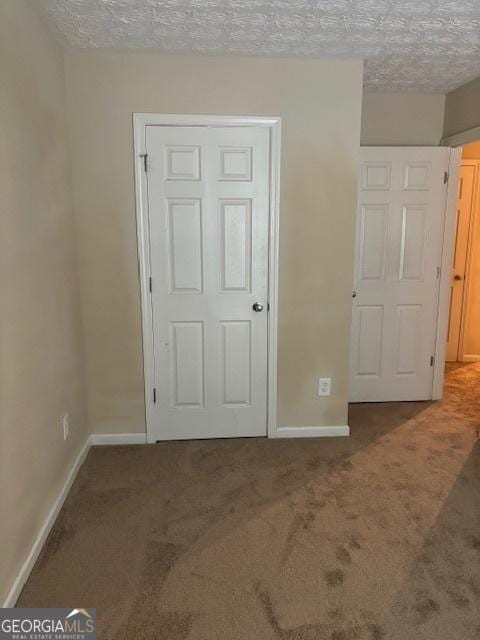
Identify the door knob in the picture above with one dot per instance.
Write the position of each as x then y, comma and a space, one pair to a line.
257, 306
457, 276
354, 294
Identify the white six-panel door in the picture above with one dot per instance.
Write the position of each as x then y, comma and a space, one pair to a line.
208, 210
399, 235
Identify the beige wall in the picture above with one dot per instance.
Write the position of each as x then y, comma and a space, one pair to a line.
320, 104
41, 365
392, 119
462, 110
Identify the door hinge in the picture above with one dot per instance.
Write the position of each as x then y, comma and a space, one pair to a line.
445, 177
439, 271
432, 360
144, 156
154, 395
150, 284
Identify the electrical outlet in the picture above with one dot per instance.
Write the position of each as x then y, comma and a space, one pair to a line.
324, 386
65, 426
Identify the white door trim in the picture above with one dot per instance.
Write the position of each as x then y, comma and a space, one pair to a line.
445, 273
140, 122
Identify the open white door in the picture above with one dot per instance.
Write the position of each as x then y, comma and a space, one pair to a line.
399, 238
207, 201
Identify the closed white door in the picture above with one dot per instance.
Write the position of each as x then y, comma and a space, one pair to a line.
208, 204
399, 235
459, 263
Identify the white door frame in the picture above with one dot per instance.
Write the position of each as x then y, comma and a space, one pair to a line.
140, 122
446, 273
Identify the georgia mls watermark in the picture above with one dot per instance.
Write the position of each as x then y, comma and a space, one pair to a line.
47, 624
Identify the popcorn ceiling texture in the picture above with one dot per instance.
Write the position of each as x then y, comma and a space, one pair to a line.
413, 45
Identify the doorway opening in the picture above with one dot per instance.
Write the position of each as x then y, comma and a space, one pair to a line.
463, 337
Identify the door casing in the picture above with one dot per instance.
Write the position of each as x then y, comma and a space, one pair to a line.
140, 122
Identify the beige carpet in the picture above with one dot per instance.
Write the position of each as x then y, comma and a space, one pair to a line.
371, 537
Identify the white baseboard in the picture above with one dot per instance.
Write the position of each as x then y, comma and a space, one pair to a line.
37, 546
94, 439
471, 358
313, 432
118, 438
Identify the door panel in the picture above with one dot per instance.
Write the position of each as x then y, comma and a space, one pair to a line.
236, 356
208, 203
460, 252
236, 249
409, 320
399, 235
412, 249
368, 340
187, 383
373, 241
185, 244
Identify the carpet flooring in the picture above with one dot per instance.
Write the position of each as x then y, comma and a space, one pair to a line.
371, 537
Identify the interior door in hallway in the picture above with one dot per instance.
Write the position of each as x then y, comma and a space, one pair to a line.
399, 235
459, 262
208, 203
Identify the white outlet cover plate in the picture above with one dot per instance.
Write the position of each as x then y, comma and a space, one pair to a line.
65, 426
324, 386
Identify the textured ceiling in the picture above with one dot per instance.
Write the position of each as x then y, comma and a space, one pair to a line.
408, 45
